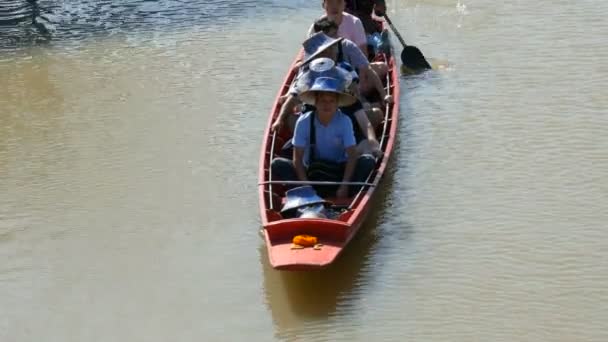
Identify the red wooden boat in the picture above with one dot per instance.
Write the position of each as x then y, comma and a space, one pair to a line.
333, 234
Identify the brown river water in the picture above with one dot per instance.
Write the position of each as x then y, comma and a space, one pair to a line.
129, 150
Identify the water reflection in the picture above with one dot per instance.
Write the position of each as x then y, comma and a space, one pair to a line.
30, 100
499, 159
68, 22
296, 299
31, 126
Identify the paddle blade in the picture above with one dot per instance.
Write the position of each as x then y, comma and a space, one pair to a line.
413, 59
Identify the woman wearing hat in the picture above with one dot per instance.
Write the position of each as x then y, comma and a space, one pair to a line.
324, 141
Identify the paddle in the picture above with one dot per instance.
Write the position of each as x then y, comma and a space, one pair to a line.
411, 56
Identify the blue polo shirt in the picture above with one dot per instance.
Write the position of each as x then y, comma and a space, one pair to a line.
331, 140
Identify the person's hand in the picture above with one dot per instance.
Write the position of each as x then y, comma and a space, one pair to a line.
276, 125
371, 147
342, 191
374, 147
366, 105
379, 10
388, 98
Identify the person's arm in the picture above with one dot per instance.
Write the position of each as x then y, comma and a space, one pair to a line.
371, 145
366, 73
363, 48
363, 74
365, 125
300, 57
298, 163
286, 108
356, 92
360, 37
301, 140
351, 154
364, 79
349, 170
377, 83
311, 31
290, 100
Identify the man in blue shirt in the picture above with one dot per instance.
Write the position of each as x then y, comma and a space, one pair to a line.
324, 142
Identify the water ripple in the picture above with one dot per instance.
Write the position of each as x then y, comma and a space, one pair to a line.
71, 21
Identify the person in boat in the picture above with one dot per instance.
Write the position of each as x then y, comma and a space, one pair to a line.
378, 6
370, 84
377, 36
349, 26
324, 142
363, 10
315, 47
320, 48
344, 51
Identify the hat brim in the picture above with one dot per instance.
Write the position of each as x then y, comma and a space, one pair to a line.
320, 50
301, 196
344, 100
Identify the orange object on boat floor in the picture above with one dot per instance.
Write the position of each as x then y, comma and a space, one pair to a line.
304, 240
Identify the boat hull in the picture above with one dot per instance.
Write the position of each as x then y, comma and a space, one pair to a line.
333, 234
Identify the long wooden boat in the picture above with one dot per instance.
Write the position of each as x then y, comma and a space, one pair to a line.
333, 234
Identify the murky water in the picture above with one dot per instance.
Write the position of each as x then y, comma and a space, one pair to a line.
129, 146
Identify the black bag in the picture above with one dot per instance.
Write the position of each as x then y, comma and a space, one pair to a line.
323, 170
287, 150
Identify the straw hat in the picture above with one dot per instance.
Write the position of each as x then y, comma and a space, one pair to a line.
317, 44
300, 197
328, 84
